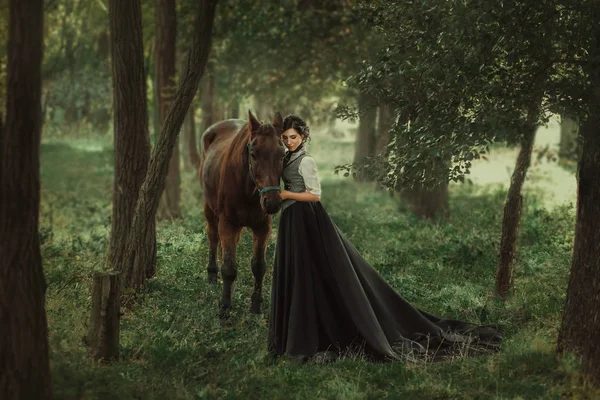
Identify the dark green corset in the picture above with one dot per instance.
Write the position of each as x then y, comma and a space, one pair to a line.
292, 179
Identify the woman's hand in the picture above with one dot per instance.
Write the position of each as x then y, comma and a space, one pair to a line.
284, 194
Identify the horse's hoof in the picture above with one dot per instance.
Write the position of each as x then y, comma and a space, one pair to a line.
213, 278
255, 303
255, 308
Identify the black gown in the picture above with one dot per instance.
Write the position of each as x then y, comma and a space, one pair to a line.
326, 297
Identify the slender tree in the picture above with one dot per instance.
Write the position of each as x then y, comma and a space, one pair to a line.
131, 137
24, 364
132, 154
513, 207
132, 142
165, 67
147, 203
207, 97
568, 149
367, 131
190, 145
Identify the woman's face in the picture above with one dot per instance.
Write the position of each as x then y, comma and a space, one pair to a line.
291, 139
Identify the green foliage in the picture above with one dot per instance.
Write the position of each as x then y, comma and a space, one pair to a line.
77, 87
464, 74
173, 345
292, 55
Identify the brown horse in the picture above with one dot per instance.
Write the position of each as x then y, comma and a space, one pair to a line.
240, 167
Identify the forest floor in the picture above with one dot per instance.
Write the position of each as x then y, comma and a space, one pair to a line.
174, 347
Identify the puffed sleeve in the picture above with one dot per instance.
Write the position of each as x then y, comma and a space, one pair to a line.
310, 174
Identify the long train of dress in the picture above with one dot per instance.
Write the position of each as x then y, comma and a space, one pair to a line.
326, 296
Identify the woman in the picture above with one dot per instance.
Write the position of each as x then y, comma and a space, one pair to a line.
326, 299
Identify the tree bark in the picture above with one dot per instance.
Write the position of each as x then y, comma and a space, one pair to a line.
103, 331
166, 33
235, 109
386, 120
24, 363
153, 185
366, 136
101, 118
190, 148
131, 136
1, 140
581, 317
427, 202
189, 132
512, 210
207, 96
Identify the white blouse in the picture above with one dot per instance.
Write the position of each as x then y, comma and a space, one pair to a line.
310, 174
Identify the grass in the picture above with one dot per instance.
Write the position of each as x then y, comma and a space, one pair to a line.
173, 346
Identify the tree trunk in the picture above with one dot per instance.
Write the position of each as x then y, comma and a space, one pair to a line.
263, 109
166, 32
24, 364
235, 109
131, 136
218, 109
366, 137
103, 331
207, 96
190, 148
569, 150
153, 185
581, 317
512, 210
429, 202
189, 132
1, 140
386, 120
101, 118
155, 109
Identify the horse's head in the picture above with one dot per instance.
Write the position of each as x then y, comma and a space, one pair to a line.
266, 153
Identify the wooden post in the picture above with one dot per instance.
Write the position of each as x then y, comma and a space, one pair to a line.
103, 331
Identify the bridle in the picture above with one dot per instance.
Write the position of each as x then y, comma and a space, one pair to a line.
262, 191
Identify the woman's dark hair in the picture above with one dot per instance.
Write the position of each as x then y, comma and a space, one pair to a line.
295, 122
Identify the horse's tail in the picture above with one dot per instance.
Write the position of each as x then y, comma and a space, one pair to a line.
207, 138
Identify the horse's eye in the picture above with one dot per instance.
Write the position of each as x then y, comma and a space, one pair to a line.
253, 155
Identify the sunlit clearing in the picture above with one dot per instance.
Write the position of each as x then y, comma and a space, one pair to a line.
558, 185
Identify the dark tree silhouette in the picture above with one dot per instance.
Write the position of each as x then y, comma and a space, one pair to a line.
132, 154
166, 34
24, 365
147, 203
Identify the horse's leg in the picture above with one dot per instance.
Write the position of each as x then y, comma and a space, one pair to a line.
212, 229
229, 237
259, 265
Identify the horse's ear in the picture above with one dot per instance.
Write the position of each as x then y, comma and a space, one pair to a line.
278, 123
254, 124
